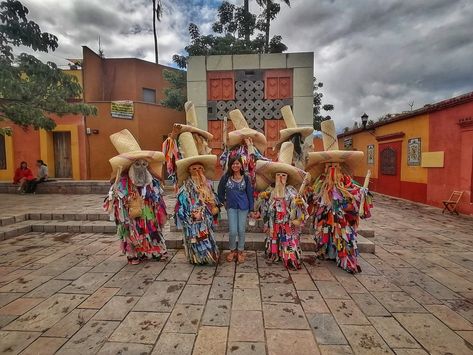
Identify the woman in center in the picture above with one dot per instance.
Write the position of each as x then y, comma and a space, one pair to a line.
236, 192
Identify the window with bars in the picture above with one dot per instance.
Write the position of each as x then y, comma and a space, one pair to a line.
149, 95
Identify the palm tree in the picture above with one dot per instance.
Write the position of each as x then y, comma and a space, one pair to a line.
271, 9
157, 13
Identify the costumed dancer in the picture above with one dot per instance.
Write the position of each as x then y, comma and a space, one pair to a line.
282, 207
245, 142
197, 204
337, 201
135, 200
297, 135
170, 145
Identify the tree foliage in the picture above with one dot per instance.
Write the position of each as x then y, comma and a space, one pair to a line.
236, 31
30, 90
318, 106
175, 94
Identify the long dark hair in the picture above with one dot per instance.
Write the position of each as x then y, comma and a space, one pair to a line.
21, 165
41, 162
231, 160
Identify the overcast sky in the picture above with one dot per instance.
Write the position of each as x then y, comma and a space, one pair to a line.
373, 56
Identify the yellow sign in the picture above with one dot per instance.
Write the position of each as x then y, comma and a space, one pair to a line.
432, 159
122, 109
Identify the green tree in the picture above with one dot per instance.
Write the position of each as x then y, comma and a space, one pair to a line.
270, 10
175, 94
235, 32
30, 90
318, 106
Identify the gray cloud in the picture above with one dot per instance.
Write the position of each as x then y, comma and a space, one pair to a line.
374, 56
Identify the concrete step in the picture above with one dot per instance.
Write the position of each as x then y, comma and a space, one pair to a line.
255, 241
66, 186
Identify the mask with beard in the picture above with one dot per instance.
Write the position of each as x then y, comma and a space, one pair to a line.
139, 174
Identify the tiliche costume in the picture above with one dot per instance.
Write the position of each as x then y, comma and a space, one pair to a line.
197, 204
337, 201
282, 207
135, 200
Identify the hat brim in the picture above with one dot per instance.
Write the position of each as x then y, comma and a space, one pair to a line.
236, 137
286, 133
207, 161
123, 161
316, 160
186, 128
266, 171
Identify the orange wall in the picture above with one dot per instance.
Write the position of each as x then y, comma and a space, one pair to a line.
415, 127
457, 143
149, 125
92, 76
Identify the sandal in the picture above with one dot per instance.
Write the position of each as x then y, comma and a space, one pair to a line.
240, 257
231, 256
133, 261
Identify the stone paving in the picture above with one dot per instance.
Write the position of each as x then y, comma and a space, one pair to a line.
71, 293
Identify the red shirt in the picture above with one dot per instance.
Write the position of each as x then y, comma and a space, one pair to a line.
22, 173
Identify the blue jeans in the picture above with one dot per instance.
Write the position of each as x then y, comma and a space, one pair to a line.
237, 227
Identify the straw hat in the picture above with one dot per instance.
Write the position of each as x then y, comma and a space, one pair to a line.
266, 170
191, 126
129, 151
331, 154
242, 131
190, 155
291, 125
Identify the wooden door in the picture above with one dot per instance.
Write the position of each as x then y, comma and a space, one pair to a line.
62, 154
389, 168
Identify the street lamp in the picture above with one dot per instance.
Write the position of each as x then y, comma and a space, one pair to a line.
364, 120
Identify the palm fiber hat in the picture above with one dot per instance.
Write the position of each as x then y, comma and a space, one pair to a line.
291, 125
191, 120
129, 151
316, 160
266, 170
242, 131
190, 156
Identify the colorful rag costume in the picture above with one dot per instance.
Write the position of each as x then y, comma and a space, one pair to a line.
337, 201
237, 145
140, 236
197, 204
135, 200
283, 210
199, 240
171, 144
283, 241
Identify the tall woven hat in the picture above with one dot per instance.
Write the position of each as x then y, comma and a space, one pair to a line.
266, 170
291, 125
191, 156
191, 120
316, 160
242, 131
129, 151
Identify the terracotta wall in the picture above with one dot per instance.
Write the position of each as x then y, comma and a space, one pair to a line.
457, 142
149, 125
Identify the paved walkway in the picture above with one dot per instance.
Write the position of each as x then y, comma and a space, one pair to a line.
74, 293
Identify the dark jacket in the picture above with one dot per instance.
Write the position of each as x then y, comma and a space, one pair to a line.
235, 198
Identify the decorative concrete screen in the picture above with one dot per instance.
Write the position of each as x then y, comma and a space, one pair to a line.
257, 84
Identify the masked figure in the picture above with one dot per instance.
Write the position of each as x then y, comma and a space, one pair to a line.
197, 204
337, 201
282, 207
135, 201
170, 145
246, 143
301, 137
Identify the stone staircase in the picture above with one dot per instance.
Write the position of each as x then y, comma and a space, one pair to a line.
15, 225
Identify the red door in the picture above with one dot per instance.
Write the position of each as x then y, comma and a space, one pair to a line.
389, 168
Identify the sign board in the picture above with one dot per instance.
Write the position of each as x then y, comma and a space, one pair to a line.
122, 109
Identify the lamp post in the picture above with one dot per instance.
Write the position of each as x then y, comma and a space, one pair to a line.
364, 120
